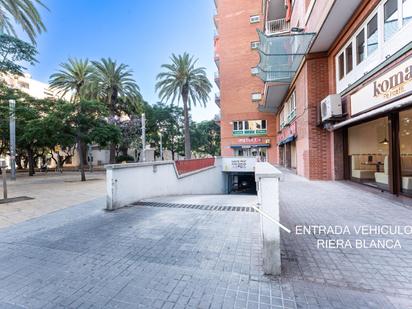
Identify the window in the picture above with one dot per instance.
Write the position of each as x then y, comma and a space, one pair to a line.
360, 46
256, 96
341, 66
407, 11
390, 18
349, 58
372, 30
254, 45
254, 19
249, 127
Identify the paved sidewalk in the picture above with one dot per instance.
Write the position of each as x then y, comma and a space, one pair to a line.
50, 192
166, 256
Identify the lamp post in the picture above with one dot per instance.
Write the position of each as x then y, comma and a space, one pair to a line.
161, 147
143, 155
12, 110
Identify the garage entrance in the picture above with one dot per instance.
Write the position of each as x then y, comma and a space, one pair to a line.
241, 183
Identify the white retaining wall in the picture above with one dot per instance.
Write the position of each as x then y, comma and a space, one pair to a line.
128, 183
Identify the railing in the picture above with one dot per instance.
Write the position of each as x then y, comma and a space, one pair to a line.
186, 166
277, 26
217, 99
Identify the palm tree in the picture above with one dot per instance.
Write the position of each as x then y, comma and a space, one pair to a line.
74, 76
114, 84
182, 80
24, 13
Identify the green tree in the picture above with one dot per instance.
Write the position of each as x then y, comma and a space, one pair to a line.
13, 52
182, 80
168, 121
23, 13
74, 77
113, 84
206, 137
84, 122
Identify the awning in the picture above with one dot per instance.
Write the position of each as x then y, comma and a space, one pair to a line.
287, 140
250, 146
281, 55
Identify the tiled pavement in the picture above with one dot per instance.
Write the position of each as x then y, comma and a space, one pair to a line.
169, 257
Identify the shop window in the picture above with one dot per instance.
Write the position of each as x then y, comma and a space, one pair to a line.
405, 144
390, 18
341, 64
368, 145
407, 11
372, 29
360, 47
349, 58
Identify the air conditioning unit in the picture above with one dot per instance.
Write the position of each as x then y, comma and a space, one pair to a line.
331, 106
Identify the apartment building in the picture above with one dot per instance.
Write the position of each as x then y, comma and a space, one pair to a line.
334, 80
247, 128
26, 84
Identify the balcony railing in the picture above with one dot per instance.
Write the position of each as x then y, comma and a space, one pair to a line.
217, 99
277, 26
217, 79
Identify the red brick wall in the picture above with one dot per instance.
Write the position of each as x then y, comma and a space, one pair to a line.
236, 60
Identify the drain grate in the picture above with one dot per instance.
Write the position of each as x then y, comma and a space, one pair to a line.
199, 207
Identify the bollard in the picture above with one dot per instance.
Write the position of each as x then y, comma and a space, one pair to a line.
3, 167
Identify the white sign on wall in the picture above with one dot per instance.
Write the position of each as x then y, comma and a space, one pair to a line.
392, 84
238, 164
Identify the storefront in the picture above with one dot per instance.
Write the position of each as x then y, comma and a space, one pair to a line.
255, 147
287, 146
378, 135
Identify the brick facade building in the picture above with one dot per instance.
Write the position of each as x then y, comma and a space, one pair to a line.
335, 84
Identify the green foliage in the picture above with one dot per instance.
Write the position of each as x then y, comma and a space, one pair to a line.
182, 80
206, 137
124, 158
14, 51
24, 13
113, 83
167, 120
73, 77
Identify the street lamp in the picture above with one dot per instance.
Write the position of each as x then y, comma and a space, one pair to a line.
161, 146
12, 110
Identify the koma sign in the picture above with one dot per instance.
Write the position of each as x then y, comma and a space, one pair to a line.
393, 85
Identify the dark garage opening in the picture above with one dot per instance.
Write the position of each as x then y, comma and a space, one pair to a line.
242, 183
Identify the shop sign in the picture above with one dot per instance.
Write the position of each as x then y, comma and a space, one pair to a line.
249, 132
238, 164
389, 86
253, 140
287, 132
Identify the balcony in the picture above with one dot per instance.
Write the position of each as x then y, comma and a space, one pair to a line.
277, 26
280, 58
217, 79
217, 99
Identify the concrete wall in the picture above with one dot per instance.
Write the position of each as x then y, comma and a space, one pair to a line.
128, 183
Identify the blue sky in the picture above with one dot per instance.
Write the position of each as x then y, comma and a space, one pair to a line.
142, 34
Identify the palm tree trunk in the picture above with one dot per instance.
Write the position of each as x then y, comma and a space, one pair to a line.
81, 158
188, 147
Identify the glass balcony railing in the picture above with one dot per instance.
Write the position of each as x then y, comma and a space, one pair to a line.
281, 55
